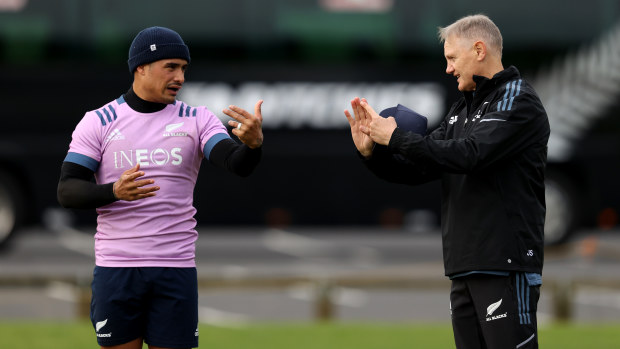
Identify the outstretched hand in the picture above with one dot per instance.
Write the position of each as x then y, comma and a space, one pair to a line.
359, 123
248, 127
368, 128
129, 188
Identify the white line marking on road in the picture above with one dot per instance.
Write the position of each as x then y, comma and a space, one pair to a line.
304, 247
294, 244
340, 296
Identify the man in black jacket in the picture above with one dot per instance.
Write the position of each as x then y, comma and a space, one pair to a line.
490, 154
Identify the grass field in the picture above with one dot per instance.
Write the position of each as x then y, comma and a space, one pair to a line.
49, 335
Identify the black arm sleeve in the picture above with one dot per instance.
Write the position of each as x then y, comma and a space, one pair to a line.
234, 157
500, 134
397, 169
77, 189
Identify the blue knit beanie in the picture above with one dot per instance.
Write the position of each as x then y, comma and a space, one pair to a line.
155, 43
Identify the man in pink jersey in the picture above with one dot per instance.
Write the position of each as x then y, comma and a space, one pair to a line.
144, 150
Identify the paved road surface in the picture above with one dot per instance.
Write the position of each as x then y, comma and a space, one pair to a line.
376, 275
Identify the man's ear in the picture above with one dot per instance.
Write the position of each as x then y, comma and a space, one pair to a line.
141, 69
480, 49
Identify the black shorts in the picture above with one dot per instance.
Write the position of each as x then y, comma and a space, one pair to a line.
157, 304
492, 311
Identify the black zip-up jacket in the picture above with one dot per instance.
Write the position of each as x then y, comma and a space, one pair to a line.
490, 153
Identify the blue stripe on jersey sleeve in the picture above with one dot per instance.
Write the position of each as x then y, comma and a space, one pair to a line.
100, 117
107, 115
112, 110
215, 139
83, 160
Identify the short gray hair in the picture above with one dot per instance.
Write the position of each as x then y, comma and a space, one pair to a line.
475, 27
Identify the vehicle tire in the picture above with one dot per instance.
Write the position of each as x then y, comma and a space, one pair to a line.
11, 209
562, 212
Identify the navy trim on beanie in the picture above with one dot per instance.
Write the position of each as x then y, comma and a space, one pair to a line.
155, 43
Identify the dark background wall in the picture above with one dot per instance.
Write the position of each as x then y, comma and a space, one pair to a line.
62, 58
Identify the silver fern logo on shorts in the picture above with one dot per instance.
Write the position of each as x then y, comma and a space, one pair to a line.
492, 308
99, 325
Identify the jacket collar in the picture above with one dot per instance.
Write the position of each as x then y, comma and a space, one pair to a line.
484, 85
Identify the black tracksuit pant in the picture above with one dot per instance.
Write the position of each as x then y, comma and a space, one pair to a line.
494, 312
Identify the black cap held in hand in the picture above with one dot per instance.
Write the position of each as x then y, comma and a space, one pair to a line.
155, 43
407, 119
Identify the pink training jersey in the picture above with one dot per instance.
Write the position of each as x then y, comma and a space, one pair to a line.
169, 145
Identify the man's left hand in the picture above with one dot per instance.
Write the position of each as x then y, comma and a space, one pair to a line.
248, 127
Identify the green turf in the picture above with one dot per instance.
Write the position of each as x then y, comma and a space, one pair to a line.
50, 335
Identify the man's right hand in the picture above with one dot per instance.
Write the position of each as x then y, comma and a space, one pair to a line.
362, 141
128, 188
